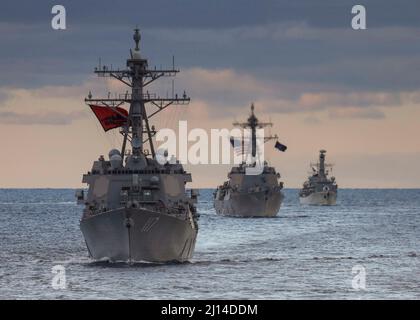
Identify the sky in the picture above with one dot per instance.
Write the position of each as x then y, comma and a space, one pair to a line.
355, 93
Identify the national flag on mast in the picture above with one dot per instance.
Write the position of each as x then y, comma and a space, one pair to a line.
280, 146
241, 147
110, 117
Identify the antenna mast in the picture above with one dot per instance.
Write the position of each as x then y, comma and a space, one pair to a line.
253, 123
137, 76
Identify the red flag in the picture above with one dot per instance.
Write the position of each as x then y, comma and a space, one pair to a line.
110, 118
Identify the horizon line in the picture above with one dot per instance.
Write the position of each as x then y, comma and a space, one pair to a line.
204, 188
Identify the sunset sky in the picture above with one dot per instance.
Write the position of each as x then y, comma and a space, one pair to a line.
322, 84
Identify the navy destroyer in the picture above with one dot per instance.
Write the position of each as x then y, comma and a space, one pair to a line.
136, 207
319, 189
250, 195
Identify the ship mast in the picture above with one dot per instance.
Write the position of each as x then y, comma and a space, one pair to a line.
137, 76
321, 166
322, 162
253, 123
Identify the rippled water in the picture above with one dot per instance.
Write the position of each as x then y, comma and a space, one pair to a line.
306, 252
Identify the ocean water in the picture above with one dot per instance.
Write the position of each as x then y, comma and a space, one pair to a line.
305, 253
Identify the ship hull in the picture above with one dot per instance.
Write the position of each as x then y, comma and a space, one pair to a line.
324, 198
250, 205
138, 235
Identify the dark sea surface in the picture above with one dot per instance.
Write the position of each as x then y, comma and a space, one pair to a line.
306, 252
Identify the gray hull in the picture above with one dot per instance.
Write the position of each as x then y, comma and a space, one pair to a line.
324, 198
137, 235
250, 205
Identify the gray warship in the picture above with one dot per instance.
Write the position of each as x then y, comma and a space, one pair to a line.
251, 195
136, 207
319, 189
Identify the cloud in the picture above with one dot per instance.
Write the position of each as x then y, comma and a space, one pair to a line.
227, 91
4, 95
356, 113
221, 93
48, 105
305, 48
202, 13
50, 118
311, 120
344, 99
223, 86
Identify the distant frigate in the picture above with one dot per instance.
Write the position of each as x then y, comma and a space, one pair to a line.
319, 189
136, 207
248, 195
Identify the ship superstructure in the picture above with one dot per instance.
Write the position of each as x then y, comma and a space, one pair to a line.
319, 189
